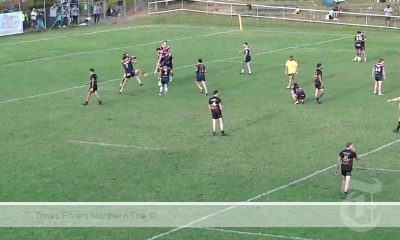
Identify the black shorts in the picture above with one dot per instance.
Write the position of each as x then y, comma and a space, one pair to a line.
346, 172
301, 96
200, 77
291, 74
247, 59
358, 47
94, 88
378, 78
130, 74
216, 114
165, 81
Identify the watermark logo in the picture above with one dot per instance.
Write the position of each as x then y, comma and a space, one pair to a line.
361, 217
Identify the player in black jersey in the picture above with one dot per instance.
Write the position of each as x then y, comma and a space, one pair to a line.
345, 162
215, 105
298, 94
246, 58
318, 83
379, 74
165, 77
358, 45
364, 39
92, 87
396, 100
201, 76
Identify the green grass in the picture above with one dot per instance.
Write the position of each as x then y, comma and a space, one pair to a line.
272, 142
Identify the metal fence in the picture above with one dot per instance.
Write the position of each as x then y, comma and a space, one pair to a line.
275, 12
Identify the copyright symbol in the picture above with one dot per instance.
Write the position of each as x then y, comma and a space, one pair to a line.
152, 215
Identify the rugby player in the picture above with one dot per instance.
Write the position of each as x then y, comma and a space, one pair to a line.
345, 162
291, 69
318, 83
165, 77
358, 45
379, 74
396, 100
130, 71
201, 76
92, 87
246, 58
298, 94
215, 105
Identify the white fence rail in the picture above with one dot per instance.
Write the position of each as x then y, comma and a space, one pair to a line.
272, 12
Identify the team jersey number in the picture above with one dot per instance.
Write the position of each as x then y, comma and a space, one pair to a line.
378, 69
359, 38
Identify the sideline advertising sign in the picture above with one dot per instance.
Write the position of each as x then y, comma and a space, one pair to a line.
11, 23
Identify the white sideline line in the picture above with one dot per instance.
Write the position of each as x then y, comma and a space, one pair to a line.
185, 66
379, 169
266, 193
75, 35
54, 92
116, 145
114, 48
254, 233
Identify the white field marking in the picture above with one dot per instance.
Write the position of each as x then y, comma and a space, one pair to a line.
266, 193
379, 169
114, 48
200, 204
54, 92
328, 49
75, 35
116, 145
254, 233
185, 66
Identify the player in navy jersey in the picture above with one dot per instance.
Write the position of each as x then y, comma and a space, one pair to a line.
358, 45
246, 58
201, 76
298, 94
165, 47
396, 100
165, 77
364, 39
130, 71
215, 105
345, 162
166, 58
378, 73
318, 83
92, 87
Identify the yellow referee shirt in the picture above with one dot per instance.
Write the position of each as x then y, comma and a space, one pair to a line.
291, 66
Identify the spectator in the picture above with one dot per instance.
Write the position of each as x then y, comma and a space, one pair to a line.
40, 19
33, 18
53, 14
388, 14
296, 11
64, 17
75, 14
96, 11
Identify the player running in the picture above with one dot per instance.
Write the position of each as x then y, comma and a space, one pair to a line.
318, 83
165, 77
130, 71
92, 87
291, 69
379, 74
396, 100
215, 105
246, 58
201, 76
345, 162
298, 94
